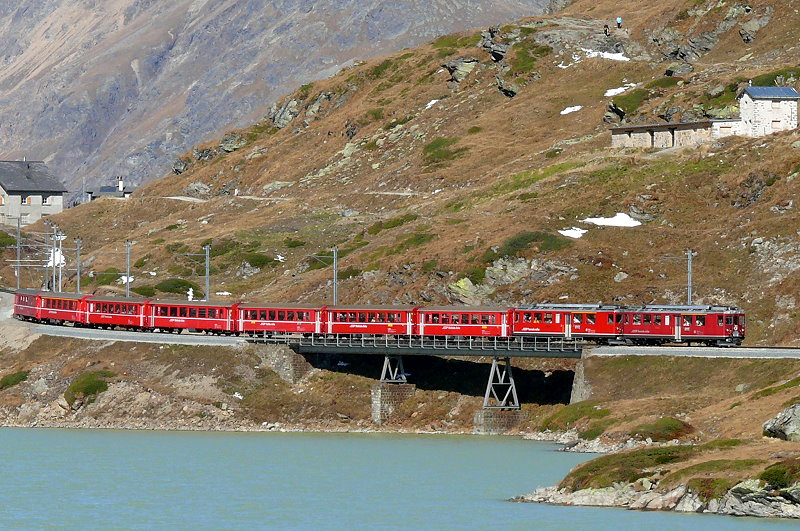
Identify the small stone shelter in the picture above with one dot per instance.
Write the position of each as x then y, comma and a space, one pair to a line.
28, 192
119, 191
763, 111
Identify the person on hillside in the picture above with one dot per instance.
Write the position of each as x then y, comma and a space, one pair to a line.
605, 30
619, 22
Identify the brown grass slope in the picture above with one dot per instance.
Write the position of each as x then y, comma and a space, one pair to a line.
424, 194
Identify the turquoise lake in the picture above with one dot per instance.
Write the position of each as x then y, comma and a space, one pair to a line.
90, 479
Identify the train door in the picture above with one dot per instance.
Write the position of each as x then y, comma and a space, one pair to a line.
567, 325
678, 320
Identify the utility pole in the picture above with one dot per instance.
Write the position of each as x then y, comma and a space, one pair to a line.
689, 255
207, 249
78, 242
19, 251
335, 275
128, 244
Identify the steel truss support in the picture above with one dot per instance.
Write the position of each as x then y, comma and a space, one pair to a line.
393, 371
501, 393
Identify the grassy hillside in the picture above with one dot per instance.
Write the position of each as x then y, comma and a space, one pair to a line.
441, 191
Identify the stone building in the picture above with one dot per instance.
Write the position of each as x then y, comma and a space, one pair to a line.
119, 191
763, 110
28, 192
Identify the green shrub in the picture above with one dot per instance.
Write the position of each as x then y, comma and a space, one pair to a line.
173, 226
524, 55
178, 247
398, 121
782, 474
568, 415
87, 385
664, 429
293, 244
769, 79
107, 277
438, 150
624, 467
6, 240
475, 274
258, 260
769, 391
379, 226
631, 101
596, 429
380, 69
374, 115
177, 285
10, 380
222, 247
349, 272
138, 264
711, 488
429, 266
145, 291
663, 82
518, 243
158, 241
474, 130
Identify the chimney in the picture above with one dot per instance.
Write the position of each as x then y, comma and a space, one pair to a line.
120, 184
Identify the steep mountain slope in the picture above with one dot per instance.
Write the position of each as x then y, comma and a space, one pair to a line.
440, 187
99, 89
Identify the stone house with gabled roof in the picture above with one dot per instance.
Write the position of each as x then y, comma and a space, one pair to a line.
28, 191
762, 111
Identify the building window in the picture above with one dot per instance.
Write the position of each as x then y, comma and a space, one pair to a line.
47, 200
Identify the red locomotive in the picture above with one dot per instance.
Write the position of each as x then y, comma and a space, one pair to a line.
602, 323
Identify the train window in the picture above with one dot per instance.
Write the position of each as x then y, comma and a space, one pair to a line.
435, 318
183, 311
290, 316
281, 315
591, 318
619, 318
728, 319
381, 317
202, 313
537, 317
666, 320
351, 317
464, 318
657, 320
212, 313
362, 317
474, 319
221, 313
700, 320
648, 319
454, 319
548, 318
558, 318
527, 317
427, 318
192, 312
637, 318
610, 318
577, 318
687, 320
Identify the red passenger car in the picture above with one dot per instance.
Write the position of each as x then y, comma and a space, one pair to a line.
366, 319
108, 312
60, 308
591, 321
713, 325
177, 315
464, 321
25, 304
279, 318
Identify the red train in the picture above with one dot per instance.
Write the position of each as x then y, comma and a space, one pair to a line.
601, 323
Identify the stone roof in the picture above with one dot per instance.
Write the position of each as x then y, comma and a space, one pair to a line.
772, 93
28, 176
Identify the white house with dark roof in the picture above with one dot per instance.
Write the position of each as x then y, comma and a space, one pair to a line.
762, 111
119, 191
28, 192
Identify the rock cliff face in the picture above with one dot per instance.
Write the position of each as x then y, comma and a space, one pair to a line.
121, 87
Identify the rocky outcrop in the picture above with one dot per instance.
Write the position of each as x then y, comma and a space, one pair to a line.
488, 42
460, 68
282, 115
232, 142
748, 498
786, 425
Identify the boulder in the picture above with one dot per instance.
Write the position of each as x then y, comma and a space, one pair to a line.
232, 142
283, 115
197, 189
460, 68
180, 166
498, 50
507, 88
204, 154
750, 28
785, 425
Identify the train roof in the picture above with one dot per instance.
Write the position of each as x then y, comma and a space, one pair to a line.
370, 307
128, 300
676, 308
62, 295
567, 306
181, 302
281, 306
464, 309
